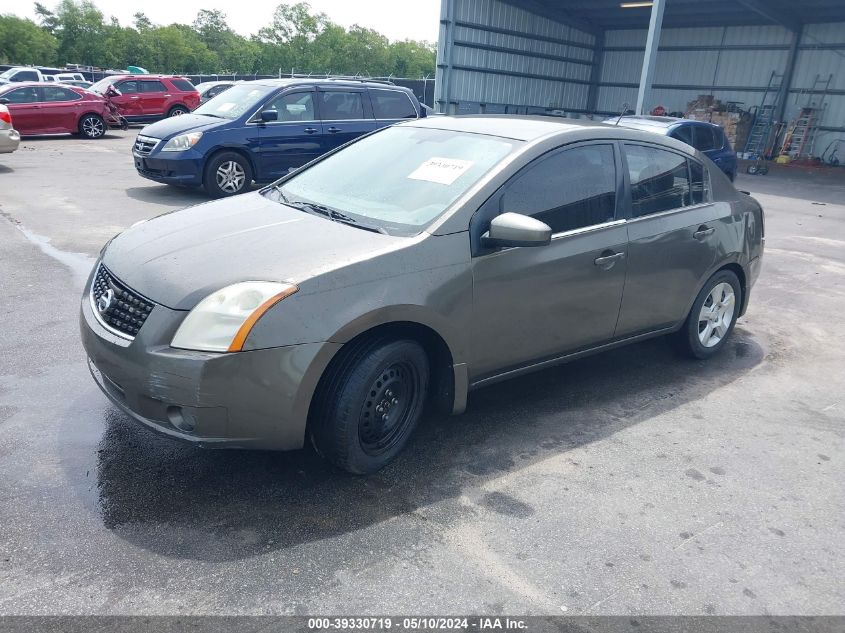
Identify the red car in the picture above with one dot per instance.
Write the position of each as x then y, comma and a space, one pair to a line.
150, 97
41, 108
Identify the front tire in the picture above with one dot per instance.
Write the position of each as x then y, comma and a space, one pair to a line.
712, 317
227, 174
92, 126
370, 403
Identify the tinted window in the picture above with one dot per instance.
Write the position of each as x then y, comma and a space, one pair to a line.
297, 106
337, 106
152, 86
26, 75
52, 93
568, 190
704, 138
216, 90
184, 85
23, 95
659, 180
683, 133
700, 179
128, 87
392, 104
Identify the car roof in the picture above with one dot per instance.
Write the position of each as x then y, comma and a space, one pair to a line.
331, 81
140, 76
653, 123
533, 128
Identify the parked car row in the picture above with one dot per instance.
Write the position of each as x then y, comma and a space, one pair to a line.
51, 107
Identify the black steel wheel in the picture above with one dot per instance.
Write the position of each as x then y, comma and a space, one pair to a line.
369, 403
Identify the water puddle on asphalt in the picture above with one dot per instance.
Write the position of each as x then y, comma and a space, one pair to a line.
79, 264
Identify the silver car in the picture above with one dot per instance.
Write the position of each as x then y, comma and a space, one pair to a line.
9, 136
408, 268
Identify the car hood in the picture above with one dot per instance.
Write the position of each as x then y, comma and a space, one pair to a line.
173, 125
179, 258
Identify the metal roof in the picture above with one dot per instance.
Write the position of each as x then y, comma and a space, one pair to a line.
599, 15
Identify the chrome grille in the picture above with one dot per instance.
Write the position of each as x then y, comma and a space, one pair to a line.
144, 145
118, 308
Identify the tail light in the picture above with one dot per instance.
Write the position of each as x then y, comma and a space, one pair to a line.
5, 116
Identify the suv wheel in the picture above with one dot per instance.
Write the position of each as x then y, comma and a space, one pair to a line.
227, 174
92, 126
370, 404
177, 111
712, 317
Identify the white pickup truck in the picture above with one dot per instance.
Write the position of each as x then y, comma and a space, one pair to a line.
21, 73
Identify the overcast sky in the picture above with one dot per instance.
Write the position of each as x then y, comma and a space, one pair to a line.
415, 19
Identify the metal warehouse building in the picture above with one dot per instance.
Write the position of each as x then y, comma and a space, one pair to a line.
578, 57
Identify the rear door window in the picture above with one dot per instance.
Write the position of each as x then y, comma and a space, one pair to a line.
704, 138
152, 86
568, 190
26, 75
55, 93
659, 180
392, 104
337, 105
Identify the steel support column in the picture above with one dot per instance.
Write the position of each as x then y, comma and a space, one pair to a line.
595, 73
654, 26
445, 53
788, 73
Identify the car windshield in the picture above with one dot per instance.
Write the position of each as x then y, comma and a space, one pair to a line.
398, 180
100, 86
235, 101
8, 73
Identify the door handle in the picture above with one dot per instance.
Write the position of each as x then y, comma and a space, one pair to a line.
334, 130
703, 231
310, 130
134, 97
606, 260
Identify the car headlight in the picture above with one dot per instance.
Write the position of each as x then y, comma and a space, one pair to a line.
182, 142
222, 321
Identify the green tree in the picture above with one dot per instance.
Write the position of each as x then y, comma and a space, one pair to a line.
22, 41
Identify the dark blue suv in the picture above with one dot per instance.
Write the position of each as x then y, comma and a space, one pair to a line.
708, 138
260, 130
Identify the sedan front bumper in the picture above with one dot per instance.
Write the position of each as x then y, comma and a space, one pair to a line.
257, 399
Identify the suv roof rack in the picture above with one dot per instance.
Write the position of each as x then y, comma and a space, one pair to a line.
345, 78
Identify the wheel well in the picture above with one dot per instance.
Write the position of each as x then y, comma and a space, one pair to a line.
737, 270
234, 150
85, 114
441, 379
178, 105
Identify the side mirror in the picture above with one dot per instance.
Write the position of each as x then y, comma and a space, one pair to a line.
515, 229
4, 101
269, 115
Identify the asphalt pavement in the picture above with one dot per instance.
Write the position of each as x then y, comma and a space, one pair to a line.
633, 482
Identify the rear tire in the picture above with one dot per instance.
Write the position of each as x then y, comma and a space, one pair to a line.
369, 404
177, 111
92, 126
227, 174
712, 317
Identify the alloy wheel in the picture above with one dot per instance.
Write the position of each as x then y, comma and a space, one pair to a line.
230, 176
716, 315
92, 127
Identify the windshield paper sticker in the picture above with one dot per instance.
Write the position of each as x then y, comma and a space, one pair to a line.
443, 171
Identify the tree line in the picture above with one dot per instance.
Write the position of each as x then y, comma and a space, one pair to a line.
297, 38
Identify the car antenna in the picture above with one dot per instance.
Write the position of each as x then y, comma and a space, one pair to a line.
621, 114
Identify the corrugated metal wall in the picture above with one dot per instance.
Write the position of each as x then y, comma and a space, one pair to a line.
494, 57
731, 63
